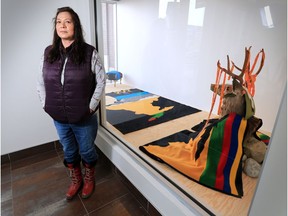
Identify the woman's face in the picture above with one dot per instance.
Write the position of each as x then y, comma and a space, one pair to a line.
65, 26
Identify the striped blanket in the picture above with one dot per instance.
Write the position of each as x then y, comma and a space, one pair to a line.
213, 158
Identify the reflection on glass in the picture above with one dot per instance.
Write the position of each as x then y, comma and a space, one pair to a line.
266, 17
109, 36
163, 4
196, 15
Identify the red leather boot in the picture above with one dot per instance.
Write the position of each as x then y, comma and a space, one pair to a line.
76, 181
89, 181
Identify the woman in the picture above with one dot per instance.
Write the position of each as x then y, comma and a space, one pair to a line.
70, 87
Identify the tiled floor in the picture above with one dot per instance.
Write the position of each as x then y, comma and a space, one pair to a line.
35, 184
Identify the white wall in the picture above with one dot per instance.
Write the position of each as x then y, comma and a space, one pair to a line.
169, 57
26, 29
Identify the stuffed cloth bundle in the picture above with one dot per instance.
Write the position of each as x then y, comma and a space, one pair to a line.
212, 158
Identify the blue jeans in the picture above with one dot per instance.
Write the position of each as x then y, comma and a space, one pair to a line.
78, 140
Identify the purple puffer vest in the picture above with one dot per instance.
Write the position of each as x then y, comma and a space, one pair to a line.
69, 103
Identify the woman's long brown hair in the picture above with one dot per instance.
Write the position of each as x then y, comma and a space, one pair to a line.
78, 53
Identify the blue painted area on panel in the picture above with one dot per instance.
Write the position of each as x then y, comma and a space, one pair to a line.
137, 94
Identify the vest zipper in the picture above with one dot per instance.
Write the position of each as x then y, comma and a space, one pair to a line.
63, 84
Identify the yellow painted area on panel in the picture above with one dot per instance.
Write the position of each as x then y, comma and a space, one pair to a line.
141, 107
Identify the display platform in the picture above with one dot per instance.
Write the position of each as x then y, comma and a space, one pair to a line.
214, 201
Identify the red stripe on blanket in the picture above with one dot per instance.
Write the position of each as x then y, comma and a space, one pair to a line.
219, 183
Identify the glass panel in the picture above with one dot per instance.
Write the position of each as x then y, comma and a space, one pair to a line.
163, 55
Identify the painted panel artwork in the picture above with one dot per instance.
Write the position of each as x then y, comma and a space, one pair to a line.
134, 109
